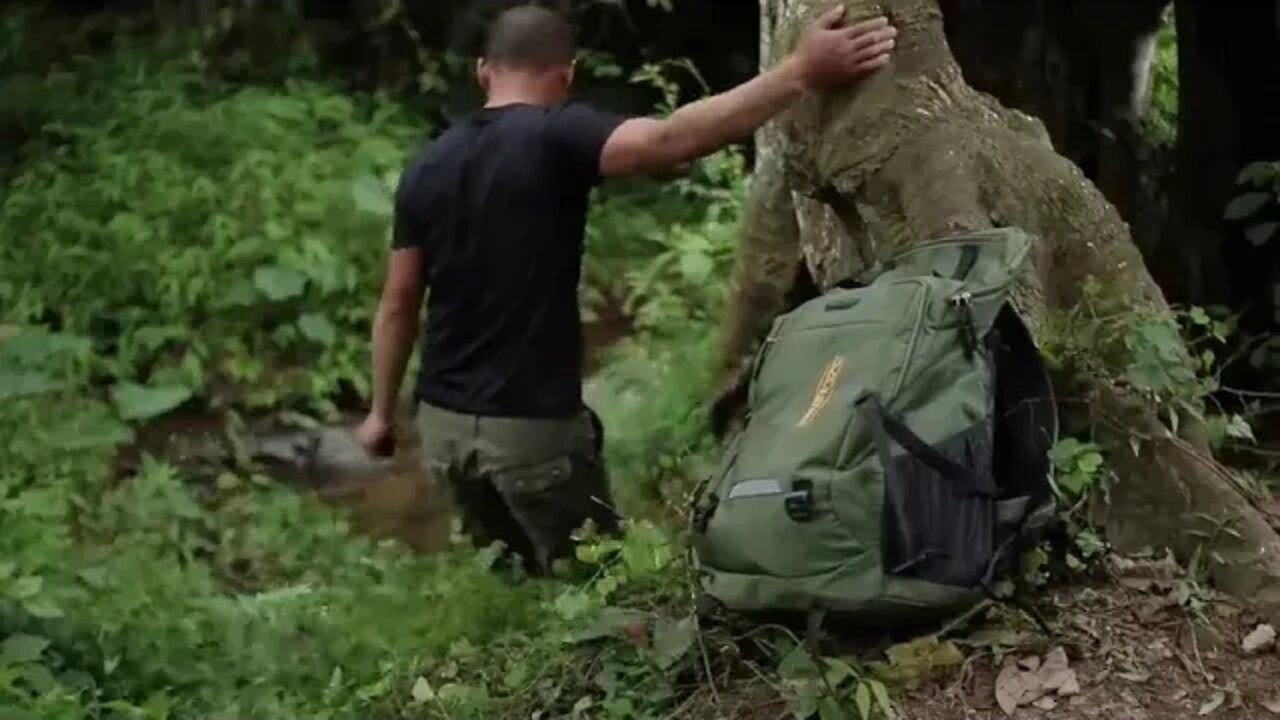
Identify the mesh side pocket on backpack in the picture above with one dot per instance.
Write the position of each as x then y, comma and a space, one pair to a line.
939, 503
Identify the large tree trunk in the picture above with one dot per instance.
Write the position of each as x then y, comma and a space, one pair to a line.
915, 153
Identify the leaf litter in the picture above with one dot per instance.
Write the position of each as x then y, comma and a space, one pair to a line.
1145, 652
1262, 638
1030, 680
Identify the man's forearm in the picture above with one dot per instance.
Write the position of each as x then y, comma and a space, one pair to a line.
702, 127
395, 330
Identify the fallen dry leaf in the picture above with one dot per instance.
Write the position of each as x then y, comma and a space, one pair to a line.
1153, 607
1013, 686
1163, 567
1031, 681
1120, 564
1213, 703
1262, 638
1055, 671
1136, 677
1045, 703
1071, 687
1272, 705
1147, 585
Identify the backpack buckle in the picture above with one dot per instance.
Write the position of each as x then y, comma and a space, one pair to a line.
799, 504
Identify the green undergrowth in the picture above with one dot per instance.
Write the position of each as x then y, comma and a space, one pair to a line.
157, 596
160, 595
152, 596
651, 398
212, 242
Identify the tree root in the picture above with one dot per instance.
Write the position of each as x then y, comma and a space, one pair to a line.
1172, 493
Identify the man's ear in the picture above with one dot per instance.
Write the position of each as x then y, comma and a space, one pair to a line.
483, 73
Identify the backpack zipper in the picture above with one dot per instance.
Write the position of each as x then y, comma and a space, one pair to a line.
976, 238
921, 304
1015, 261
757, 362
963, 302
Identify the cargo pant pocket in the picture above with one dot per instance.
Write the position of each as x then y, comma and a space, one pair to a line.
554, 498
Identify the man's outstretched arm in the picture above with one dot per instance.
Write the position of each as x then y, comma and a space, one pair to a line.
828, 55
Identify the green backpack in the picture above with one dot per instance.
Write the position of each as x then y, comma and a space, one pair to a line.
894, 460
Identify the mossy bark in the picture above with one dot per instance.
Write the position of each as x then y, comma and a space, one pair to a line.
914, 153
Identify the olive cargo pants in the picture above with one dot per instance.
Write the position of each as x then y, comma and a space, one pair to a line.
529, 483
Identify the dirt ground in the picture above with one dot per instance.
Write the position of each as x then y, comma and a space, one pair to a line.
1144, 642
1139, 642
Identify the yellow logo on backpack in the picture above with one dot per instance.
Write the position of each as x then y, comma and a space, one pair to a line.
822, 395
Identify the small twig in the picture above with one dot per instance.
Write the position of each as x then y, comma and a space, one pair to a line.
1265, 394
675, 714
965, 676
1244, 349
697, 627
1195, 647
706, 662
1259, 452
964, 618
764, 678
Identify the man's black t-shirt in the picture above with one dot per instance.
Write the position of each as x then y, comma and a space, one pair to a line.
498, 203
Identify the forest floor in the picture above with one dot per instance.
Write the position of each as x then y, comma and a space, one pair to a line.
1129, 647
1141, 640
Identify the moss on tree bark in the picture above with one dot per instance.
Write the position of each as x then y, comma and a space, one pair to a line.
914, 153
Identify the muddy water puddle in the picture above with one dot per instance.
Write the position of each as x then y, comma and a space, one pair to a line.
397, 499
392, 498
388, 498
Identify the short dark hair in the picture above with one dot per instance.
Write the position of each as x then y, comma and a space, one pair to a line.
530, 36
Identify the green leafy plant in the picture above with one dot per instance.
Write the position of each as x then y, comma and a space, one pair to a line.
209, 244
828, 688
1262, 183
655, 248
1167, 359
1080, 473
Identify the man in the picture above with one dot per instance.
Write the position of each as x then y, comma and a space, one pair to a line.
491, 217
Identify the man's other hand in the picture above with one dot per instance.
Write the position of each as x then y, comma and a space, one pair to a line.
830, 54
377, 436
